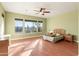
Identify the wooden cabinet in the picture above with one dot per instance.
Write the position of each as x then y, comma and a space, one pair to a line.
4, 47
68, 37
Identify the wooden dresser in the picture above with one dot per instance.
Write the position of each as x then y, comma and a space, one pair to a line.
4, 47
68, 37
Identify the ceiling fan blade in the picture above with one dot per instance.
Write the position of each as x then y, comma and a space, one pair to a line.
41, 10
46, 11
36, 10
37, 13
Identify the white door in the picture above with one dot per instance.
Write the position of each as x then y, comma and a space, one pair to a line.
1, 26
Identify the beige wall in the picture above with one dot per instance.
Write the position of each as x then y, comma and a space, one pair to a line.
78, 22
10, 25
2, 20
67, 21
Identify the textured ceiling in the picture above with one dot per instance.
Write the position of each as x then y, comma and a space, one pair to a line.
28, 8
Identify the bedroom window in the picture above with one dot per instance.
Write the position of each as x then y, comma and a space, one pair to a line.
33, 26
30, 26
18, 25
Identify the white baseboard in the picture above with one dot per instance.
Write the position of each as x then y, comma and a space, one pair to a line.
25, 37
77, 41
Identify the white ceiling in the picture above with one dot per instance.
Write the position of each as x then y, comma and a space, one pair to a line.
28, 8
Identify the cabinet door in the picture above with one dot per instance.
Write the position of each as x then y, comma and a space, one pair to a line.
4, 47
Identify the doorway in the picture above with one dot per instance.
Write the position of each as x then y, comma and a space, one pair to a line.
1, 26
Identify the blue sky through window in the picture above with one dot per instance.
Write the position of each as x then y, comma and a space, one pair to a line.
19, 23
30, 24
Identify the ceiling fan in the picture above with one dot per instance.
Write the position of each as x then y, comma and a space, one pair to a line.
42, 11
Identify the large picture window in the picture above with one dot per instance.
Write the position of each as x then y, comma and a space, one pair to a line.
29, 26
18, 25
33, 26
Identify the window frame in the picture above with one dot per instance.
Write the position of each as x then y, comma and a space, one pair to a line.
23, 25
42, 25
15, 25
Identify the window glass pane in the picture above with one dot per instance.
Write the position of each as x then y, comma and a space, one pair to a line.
18, 25
34, 28
40, 26
30, 26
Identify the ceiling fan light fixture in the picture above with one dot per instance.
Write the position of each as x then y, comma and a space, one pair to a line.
42, 11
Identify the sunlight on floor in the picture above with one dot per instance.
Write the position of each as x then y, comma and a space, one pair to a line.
26, 53
40, 44
32, 45
14, 51
21, 48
